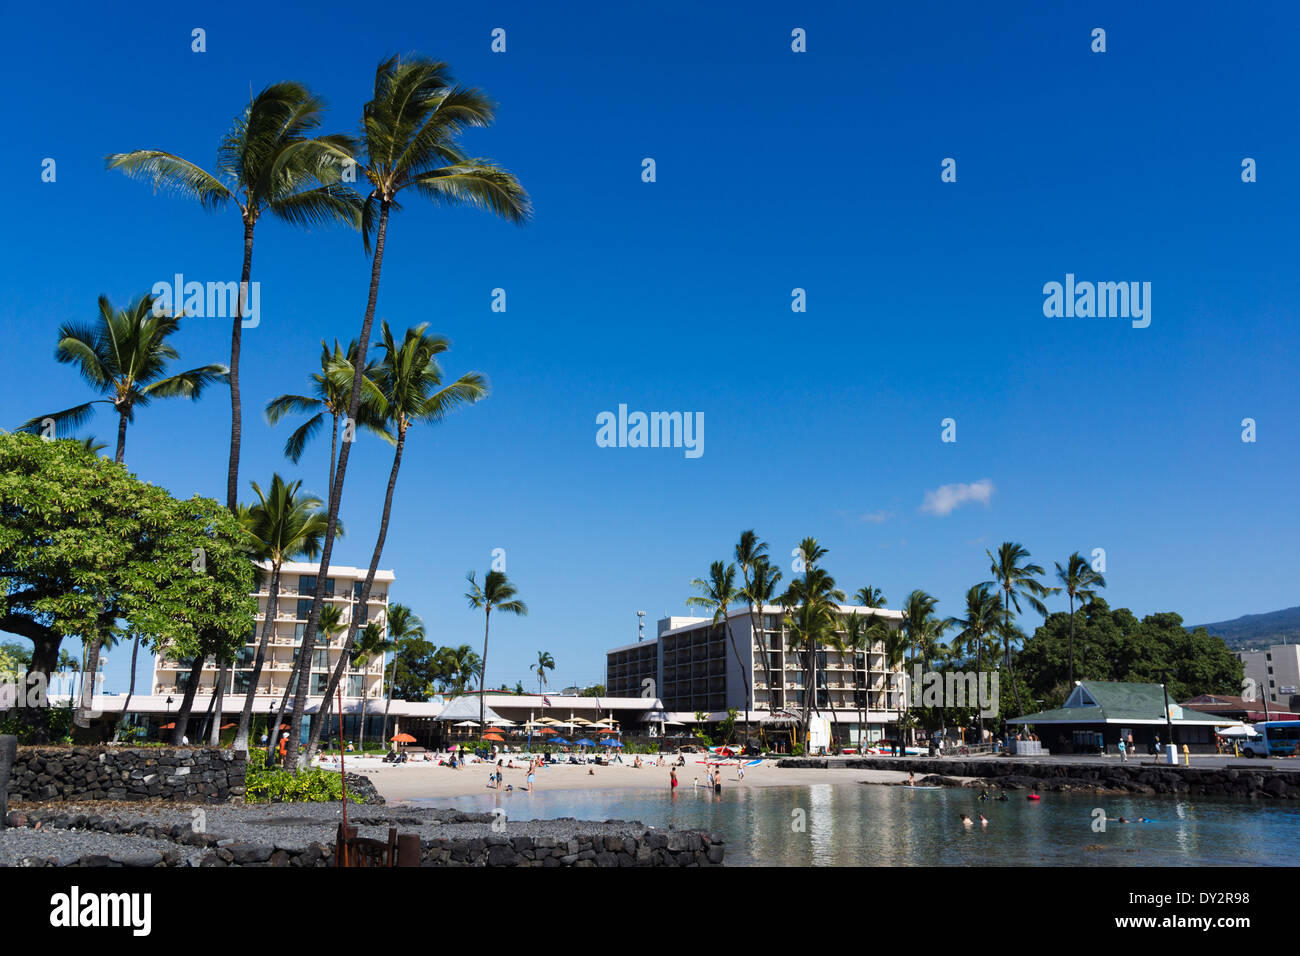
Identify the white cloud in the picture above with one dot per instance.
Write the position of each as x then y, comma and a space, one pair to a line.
877, 517
944, 500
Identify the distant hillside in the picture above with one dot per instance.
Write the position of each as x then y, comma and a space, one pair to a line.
1255, 631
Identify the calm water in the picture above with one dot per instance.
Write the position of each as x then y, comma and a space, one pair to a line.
860, 825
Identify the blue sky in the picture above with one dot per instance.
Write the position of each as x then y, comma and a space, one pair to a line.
775, 170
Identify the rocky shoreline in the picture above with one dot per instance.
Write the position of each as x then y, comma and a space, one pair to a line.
1017, 773
302, 835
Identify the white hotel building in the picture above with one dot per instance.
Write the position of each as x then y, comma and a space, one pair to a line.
297, 587
691, 667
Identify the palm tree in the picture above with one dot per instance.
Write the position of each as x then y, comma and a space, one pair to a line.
330, 397
284, 525
812, 614
924, 630
759, 592
403, 625
867, 596
544, 663
269, 161
124, 355
749, 551
332, 623
860, 635
408, 390
717, 594
92, 444
497, 593
1015, 579
372, 643
410, 128
980, 626
1079, 581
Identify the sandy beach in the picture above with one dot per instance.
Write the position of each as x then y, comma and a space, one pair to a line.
419, 781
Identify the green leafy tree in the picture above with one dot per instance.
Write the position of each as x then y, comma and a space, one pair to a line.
270, 161
124, 355
86, 549
410, 130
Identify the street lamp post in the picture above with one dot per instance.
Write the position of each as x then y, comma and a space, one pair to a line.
1169, 724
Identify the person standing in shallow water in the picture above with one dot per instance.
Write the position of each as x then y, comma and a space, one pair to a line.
672, 777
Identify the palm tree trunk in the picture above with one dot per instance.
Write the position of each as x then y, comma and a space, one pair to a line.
120, 457
334, 446
187, 703
212, 699
87, 703
259, 659
1006, 644
1070, 682
130, 691
222, 672
355, 621
236, 412
274, 729
482, 674
744, 672
336, 490
388, 701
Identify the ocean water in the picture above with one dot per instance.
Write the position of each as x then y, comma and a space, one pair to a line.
864, 825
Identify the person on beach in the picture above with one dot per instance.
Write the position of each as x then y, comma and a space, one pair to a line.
500, 774
284, 746
1123, 751
740, 771
717, 782
708, 779
532, 776
672, 778
911, 778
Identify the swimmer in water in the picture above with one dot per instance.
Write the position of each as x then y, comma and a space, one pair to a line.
1123, 820
967, 821
1143, 820
1004, 795
911, 779
984, 795
983, 821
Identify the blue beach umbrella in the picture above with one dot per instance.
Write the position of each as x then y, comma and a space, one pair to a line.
558, 740
584, 742
610, 743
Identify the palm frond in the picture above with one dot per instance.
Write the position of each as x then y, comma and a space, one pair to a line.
171, 172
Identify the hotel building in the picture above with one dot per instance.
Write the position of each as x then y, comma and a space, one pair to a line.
297, 587
691, 667
1276, 673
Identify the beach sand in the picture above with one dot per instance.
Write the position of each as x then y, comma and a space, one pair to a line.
421, 781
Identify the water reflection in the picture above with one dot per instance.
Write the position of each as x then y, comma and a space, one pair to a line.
859, 825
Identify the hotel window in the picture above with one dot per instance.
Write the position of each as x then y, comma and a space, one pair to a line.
320, 660
298, 631
318, 683
356, 686
241, 681
304, 609
306, 584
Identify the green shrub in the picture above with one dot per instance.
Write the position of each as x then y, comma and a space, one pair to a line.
273, 785
22, 724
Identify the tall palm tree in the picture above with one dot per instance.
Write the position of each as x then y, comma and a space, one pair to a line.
925, 629
496, 594
544, 663
761, 592
750, 550
410, 129
271, 160
1014, 577
1079, 581
124, 355
812, 616
330, 391
408, 390
372, 643
867, 596
403, 625
979, 627
284, 525
717, 594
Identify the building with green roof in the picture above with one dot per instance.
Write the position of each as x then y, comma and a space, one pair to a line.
1099, 714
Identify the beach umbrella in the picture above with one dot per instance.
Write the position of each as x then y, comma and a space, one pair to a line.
560, 740
494, 730
228, 726
466, 723
584, 742
546, 730
403, 738
610, 743
494, 737
171, 726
